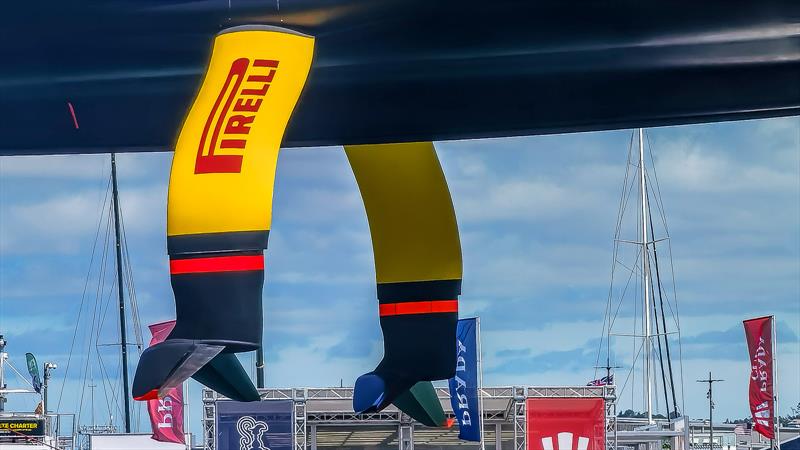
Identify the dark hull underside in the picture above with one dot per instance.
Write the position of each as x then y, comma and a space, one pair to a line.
397, 71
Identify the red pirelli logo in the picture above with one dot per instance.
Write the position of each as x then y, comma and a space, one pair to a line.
232, 115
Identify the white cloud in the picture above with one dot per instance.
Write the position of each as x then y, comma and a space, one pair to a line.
310, 366
84, 167
556, 335
537, 200
61, 166
707, 170
315, 205
144, 209
67, 222
55, 223
317, 165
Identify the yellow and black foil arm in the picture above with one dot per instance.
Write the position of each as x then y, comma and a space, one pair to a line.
219, 209
418, 269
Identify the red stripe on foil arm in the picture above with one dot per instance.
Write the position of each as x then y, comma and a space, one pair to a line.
216, 264
150, 395
424, 307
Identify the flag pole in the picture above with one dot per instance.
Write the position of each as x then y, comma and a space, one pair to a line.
186, 421
777, 421
480, 377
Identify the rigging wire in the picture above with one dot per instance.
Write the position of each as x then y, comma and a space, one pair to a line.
630, 377
625, 290
95, 316
658, 338
21, 377
134, 306
667, 237
636, 303
658, 197
678, 322
109, 398
658, 313
664, 322
97, 324
606, 317
654, 312
100, 294
675, 314
83, 297
130, 285
115, 406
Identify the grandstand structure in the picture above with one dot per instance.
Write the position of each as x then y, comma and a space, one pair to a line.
323, 418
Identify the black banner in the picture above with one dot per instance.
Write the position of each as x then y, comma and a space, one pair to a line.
16, 427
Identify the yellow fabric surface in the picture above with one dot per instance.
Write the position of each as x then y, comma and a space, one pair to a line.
410, 212
223, 170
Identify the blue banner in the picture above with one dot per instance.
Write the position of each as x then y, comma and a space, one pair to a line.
264, 425
464, 386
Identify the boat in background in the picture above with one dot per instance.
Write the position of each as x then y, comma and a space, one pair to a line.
642, 309
108, 278
38, 429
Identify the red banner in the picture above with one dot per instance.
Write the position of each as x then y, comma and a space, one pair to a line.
566, 423
166, 414
762, 399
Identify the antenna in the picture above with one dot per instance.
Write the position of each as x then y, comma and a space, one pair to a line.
710, 396
3, 357
91, 388
608, 368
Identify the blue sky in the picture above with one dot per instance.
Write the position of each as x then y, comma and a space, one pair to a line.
536, 215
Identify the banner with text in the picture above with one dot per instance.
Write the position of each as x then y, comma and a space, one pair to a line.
762, 400
254, 425
565, 423
16, 427
166, 414
464, 387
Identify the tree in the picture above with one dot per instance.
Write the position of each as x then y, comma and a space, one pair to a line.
784, 420
639, 415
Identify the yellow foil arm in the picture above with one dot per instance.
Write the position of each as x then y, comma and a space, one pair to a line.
224, 166
410, 212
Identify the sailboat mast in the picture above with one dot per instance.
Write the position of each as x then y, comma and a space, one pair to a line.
120, 293
645, 285
3, 357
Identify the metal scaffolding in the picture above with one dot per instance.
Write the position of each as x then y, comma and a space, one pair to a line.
611, 418
406, 433
209, 419
504, 415
299, 419
520, 418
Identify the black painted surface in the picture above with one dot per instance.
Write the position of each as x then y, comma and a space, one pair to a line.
416, 347
416, 291
219, 308
203, 243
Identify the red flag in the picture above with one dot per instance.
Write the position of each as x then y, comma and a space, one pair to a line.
166, 414
565, 423
762, 399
